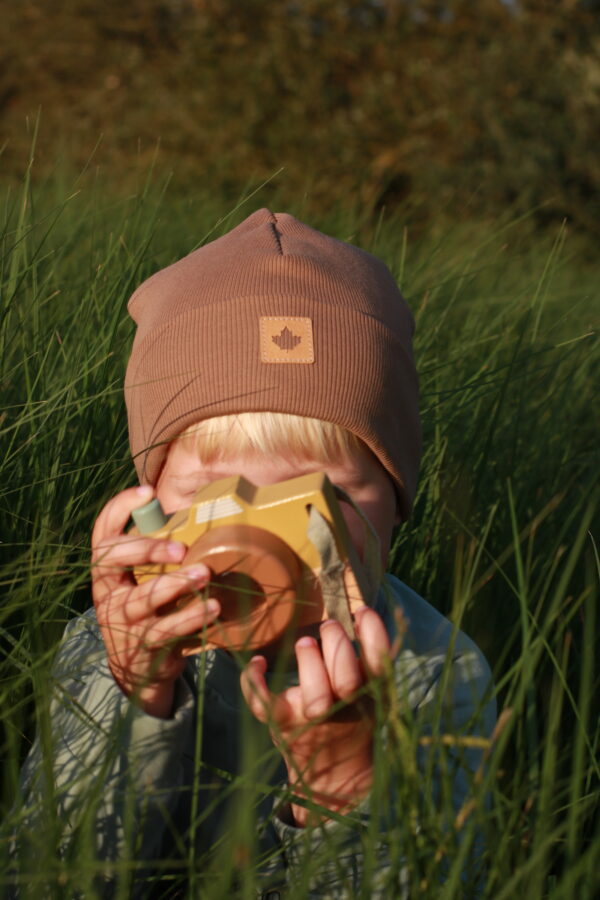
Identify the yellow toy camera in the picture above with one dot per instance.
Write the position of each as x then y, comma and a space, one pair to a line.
281, 557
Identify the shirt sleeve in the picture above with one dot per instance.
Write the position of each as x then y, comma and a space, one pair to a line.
430, 750
103, 775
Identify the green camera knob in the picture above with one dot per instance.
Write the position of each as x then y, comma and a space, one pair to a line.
150, 517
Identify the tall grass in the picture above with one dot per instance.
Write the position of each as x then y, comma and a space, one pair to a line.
503, 539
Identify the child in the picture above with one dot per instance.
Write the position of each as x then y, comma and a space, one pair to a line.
272, 352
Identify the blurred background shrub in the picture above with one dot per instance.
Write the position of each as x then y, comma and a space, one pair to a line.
451, 108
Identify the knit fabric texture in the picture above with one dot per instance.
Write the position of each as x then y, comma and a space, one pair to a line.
275, 316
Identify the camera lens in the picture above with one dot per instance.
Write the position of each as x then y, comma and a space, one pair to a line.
237, 593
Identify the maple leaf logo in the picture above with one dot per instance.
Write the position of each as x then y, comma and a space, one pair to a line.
286, 339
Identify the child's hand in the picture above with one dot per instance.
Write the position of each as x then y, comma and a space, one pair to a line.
328, 758
141, 634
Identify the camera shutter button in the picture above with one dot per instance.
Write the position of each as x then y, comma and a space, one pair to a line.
149, 517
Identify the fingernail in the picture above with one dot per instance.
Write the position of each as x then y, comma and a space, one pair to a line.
175, 548
306, 642
213, 606
144, 491
196, 573
327, 622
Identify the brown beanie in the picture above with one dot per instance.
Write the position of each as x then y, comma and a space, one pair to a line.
275, 316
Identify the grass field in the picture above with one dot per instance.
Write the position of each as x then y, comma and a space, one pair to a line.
503, 538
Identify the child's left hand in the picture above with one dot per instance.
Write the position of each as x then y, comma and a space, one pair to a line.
329, 758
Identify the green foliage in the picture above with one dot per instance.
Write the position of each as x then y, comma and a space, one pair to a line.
503, 537
454, 108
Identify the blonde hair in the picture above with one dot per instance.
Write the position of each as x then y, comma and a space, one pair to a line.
270, 434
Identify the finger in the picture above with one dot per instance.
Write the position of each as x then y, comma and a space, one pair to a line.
182, 623
373, 639
257, 695
115, 514
118, 551
317, 696
343, 667
149, 597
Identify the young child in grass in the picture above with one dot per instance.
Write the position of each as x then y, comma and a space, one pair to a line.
273, 352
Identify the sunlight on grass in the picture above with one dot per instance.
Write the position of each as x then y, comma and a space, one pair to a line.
502, 539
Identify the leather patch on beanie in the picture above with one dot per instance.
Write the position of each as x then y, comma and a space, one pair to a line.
286, 339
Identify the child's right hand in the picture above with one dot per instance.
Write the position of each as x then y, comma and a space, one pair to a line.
142, 636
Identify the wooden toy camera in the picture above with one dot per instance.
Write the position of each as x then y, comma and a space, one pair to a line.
270, 553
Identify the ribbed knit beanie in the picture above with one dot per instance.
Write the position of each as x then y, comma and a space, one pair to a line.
275, 316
